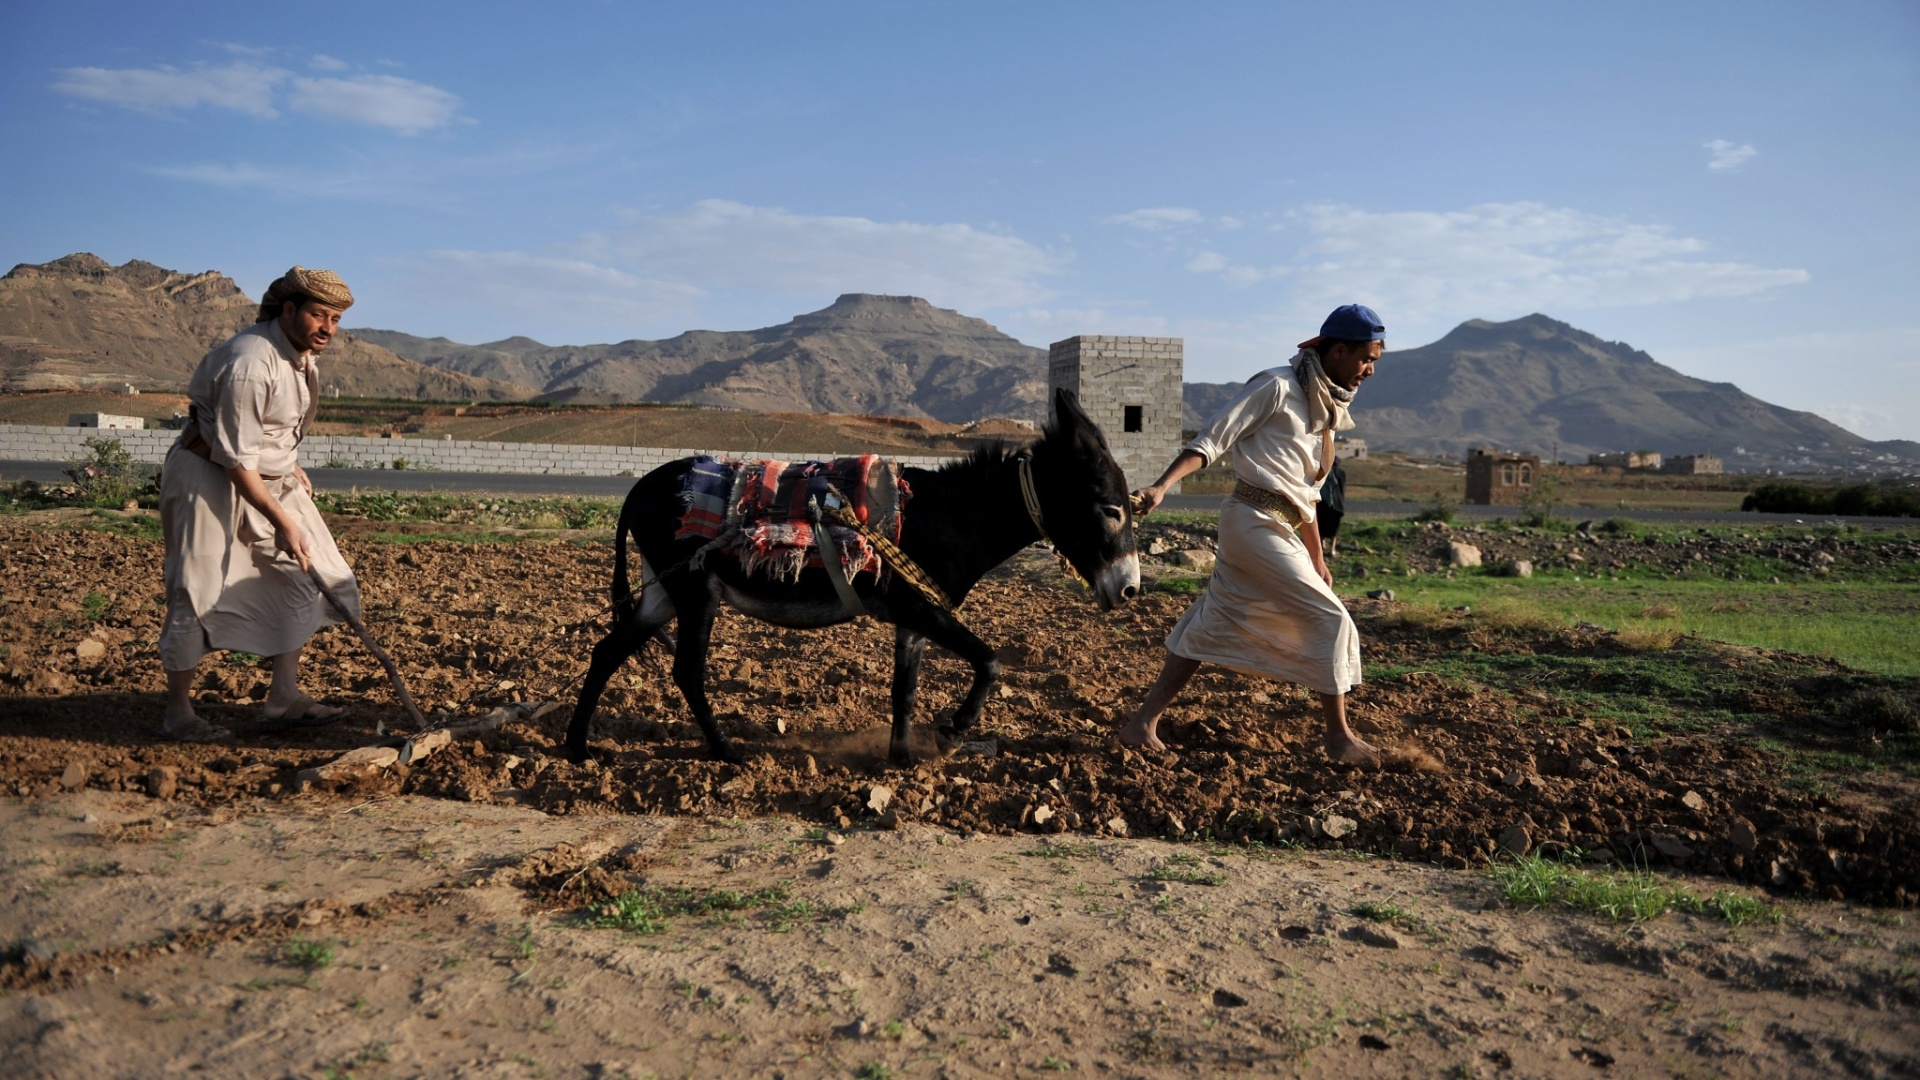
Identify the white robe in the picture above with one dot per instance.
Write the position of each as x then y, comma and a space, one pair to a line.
1266, 611
227, 585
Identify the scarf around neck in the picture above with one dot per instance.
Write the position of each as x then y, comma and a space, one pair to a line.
1327, 401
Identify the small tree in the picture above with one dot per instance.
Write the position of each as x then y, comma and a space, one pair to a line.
106, 476
1538, 504
1442, 509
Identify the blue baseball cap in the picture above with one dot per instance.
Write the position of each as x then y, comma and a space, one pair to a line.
1349, 322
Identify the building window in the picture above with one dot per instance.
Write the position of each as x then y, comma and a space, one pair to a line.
1526, 475
1136, 418
1506, 476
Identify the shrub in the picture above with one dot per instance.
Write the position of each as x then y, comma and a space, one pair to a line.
1881, 708
1443, 508
1538, 504
1866, 500
106, 476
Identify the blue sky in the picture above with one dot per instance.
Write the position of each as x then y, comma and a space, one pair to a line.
1728, 186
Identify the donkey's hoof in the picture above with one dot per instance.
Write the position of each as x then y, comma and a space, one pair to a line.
900, 757
948, 739
729, 754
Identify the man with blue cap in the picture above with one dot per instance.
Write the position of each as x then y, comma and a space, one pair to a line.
1270, 608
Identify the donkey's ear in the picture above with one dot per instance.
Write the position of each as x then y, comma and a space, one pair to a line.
1067, 414
1070, 422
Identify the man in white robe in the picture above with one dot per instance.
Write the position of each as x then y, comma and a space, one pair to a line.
237, 509
1270, 608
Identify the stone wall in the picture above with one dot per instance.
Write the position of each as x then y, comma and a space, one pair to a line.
1111, 375
27, 442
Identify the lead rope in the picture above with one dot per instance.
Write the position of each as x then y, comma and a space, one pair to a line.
906, 568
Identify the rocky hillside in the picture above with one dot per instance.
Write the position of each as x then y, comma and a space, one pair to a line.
80, 323
1534, 382
865, 354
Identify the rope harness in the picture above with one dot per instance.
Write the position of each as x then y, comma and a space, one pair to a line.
903, 567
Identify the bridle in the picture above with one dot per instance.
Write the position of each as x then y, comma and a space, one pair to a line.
1031, 496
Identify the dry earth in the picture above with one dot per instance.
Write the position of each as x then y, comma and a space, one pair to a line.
981, 914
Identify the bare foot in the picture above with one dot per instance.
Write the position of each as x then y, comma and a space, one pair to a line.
1354, 752
301, 707
187, 726
1139, 735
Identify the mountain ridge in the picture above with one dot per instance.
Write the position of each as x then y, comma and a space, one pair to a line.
865, 353
80, 322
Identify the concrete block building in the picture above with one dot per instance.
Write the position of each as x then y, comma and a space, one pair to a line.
1499, 479
1695, 465
1131, 387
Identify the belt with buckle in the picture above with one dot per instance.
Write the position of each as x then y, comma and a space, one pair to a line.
1271, 501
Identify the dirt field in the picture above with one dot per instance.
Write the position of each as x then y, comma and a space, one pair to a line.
995, 911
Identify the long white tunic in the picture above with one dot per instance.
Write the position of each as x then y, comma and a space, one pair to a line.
227, 586
1266, 611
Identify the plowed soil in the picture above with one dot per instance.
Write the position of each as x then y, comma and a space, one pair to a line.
476, 851
475, 625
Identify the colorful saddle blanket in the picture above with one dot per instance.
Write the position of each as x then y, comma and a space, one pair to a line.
761, 506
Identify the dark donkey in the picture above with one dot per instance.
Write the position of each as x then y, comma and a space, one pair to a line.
964, 519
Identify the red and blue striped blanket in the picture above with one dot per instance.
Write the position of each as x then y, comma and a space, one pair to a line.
766, 501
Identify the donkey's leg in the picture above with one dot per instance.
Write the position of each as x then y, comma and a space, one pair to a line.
690, 669
946, 632
629, 635
909, 649
625, 639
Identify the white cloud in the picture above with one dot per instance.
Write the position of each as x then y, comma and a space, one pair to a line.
720, 244
1727, 156
387, 186
549, 291
1157, 218
1501, 260
1238, 275
238, 87
387, 101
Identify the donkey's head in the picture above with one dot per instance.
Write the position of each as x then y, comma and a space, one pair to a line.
1084, 503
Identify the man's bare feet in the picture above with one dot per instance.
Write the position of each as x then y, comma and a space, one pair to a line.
185, 725
1354, 751
301, 707
1141, 735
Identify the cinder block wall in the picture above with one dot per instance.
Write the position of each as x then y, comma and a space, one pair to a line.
27, 442
1108, 374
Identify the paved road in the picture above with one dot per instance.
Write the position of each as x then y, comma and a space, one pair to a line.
614, 487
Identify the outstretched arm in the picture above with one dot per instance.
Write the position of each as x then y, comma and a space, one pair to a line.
1149, 497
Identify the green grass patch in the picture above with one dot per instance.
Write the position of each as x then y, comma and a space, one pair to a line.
477, 513
307, 953
1620, 895
1866, 625
648, 911
1185, 868
1392, 914
1178, 585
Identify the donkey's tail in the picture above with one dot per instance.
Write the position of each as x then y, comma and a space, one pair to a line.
624, 606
